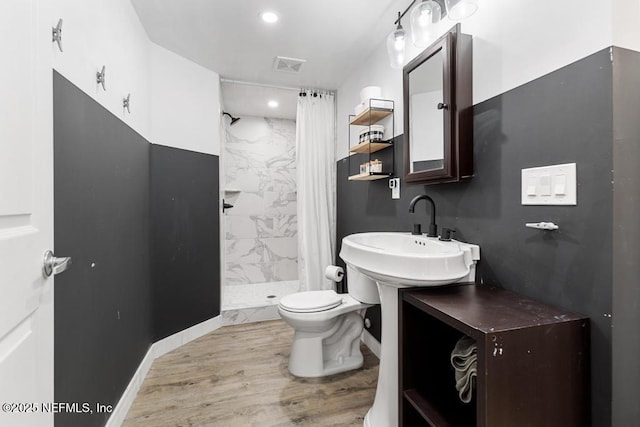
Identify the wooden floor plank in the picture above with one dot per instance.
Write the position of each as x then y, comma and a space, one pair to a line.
238, 376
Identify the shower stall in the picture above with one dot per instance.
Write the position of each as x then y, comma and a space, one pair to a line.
260, 254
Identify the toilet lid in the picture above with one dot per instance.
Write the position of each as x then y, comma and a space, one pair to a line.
305, 302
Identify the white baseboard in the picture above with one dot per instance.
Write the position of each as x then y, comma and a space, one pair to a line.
156, 350
371, 342
178, 339
122, 407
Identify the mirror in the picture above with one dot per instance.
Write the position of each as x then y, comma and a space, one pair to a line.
426, 130
438, 144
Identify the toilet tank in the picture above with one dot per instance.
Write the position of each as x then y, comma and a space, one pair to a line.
361, 287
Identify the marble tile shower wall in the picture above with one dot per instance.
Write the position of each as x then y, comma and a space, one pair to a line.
261, 230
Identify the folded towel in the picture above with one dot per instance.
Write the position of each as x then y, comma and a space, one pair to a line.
464, 360
463, 363
466, 384
464, 348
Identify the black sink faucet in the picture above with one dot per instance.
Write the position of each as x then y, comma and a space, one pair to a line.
433, 228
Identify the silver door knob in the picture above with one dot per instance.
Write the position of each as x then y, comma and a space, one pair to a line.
53, 265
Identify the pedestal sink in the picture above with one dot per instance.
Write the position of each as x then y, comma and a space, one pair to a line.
399, 260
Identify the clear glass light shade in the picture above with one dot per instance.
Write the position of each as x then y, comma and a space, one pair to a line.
423, 16
458, 10
395, 47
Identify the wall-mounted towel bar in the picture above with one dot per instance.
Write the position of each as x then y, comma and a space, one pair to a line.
542, 225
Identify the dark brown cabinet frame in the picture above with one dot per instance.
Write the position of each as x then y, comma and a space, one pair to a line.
458, 114
532, 360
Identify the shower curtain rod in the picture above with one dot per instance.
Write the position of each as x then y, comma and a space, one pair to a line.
246, 83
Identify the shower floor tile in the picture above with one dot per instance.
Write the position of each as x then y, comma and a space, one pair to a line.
256, 294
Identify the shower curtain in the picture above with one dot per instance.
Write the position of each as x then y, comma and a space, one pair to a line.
316, 173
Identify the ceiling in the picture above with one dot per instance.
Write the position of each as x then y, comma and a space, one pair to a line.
228, 37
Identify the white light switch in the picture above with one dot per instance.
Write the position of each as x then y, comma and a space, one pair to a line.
531, 186
560, 185
544, 185
549, 185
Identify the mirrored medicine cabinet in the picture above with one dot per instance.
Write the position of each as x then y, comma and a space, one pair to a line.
438, 111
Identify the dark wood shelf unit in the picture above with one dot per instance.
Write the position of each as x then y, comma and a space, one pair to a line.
533, 359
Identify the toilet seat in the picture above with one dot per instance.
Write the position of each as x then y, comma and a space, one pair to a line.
311, 301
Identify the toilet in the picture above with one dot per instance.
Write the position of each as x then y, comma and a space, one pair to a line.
327, 327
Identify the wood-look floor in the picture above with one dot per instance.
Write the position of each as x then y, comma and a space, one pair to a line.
238, 376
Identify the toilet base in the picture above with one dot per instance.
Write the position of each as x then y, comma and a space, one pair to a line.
318, 354
347, 364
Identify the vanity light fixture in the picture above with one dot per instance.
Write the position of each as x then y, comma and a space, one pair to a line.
458, 10
423, 16
269, 17
273, 104
396, 42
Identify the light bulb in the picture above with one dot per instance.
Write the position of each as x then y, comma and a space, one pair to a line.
396, 44
395, 48
458, 10
398, 40
423, 16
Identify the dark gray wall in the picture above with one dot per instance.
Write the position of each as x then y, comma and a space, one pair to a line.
115, 198
185, 242
626, 237
563, 117
102, 305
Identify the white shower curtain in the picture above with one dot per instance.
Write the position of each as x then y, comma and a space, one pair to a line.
316, 164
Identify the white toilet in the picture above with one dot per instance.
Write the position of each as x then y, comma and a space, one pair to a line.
327, 327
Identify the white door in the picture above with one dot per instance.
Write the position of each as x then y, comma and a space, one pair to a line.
26, 214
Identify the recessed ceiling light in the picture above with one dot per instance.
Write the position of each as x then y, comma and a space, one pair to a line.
272, 104
269, 17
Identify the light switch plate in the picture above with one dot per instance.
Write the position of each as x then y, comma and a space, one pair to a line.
549, 185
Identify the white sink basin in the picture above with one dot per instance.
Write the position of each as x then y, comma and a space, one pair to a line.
403, 259
398, 260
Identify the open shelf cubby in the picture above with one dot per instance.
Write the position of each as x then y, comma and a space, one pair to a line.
532, 359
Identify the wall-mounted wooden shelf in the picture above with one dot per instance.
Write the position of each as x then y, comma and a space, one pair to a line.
369, 176
371, 115
362, 151
369, 147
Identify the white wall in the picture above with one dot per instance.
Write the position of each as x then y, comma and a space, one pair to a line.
514, 42
185, 103
107, 32
626, 31
174, 102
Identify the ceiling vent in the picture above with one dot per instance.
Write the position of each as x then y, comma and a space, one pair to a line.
288, 65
